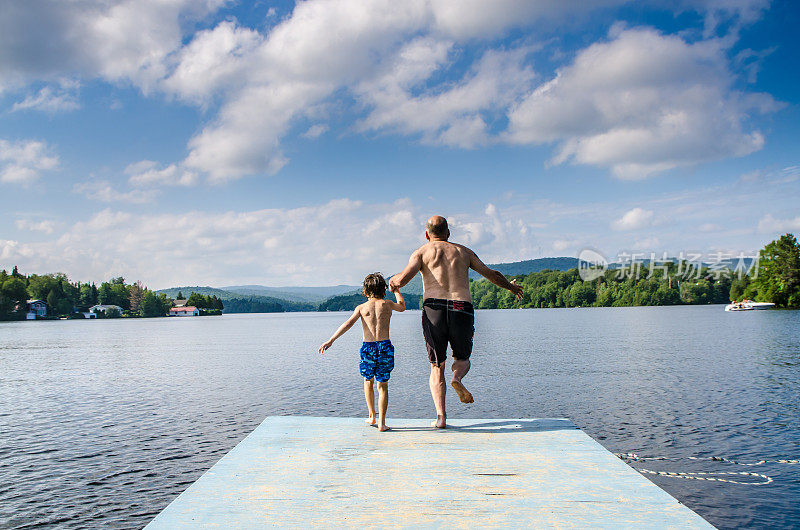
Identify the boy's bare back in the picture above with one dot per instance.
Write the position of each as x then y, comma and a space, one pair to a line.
375, 314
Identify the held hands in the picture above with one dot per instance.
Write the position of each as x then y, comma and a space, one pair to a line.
516, 289
393, 285
325, 345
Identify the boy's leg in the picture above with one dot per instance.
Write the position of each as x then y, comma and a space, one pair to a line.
383, 404
438, 390
369, 394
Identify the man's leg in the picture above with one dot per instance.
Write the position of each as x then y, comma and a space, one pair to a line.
369, 394
438, 390
460, 369
383, 404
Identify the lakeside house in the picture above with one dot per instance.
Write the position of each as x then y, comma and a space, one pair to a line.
184, 311
36, 309
104, 308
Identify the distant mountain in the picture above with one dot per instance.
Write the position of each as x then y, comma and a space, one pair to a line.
297, 294
348, 302
509, 269
262, 298
242, 303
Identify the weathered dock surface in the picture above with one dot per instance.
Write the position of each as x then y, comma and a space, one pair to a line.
333, 472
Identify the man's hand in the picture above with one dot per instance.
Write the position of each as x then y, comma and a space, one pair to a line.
325, 345
393, 285
516, 289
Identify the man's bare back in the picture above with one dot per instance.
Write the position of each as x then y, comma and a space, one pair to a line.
445, 270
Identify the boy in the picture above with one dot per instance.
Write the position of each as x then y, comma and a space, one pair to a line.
377, 352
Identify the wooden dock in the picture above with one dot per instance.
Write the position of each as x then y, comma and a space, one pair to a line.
337, 472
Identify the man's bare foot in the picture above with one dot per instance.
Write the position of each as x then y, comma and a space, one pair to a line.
384, 428
440, 422
370, 421
463, 393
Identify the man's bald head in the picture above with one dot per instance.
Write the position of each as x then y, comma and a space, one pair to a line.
437, 227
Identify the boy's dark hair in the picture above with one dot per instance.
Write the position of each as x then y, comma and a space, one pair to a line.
375, 285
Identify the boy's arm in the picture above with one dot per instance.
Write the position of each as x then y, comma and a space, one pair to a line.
400, 305
494, 276
414, 265
342, 329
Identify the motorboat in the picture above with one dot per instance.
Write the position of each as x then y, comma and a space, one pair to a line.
748, 305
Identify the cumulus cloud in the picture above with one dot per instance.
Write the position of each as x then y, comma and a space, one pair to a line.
639, 104
61, 97
23, 161
379, 50
633, 220
770, 224
103, 191
147, 173
334, 242
453, 116
122, 40
315, 131
45, 226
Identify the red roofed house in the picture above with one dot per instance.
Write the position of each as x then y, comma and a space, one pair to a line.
185, 311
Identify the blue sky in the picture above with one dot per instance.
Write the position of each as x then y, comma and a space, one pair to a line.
220, 142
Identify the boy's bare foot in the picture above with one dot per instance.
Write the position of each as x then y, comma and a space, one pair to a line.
440, 422
463, 393
370, 421
384, 428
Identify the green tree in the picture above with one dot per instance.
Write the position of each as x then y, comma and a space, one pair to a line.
151, 305
13, 294
180, 296
778, 278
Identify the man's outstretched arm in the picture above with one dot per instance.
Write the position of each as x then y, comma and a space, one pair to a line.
414, 265
496, 277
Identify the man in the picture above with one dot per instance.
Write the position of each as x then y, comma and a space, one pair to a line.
447, 313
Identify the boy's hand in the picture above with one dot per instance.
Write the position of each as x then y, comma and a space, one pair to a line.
393, 287
325, 345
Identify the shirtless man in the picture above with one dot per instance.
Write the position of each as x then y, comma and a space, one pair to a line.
447, 313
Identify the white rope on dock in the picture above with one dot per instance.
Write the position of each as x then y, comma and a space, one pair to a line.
707, 475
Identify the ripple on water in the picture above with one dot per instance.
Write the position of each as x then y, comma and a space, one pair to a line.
104, 423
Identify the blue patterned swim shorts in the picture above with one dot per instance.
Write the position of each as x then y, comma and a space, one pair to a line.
377, 360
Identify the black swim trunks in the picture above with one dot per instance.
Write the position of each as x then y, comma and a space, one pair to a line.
447, 321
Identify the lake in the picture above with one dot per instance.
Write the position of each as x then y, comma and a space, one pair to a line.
104, 422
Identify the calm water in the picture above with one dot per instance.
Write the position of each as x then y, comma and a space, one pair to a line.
103, 423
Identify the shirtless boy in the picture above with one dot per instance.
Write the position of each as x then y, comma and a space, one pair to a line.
447, 312
377, 352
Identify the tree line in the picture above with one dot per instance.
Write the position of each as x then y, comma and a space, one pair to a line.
776, 280
67, 298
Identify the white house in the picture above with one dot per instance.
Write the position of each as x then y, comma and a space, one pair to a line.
186, 311
103, 308
36, 309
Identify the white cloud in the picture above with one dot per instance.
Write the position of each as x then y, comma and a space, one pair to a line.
335, 242
101, 190
770, 224
62, 97
146, 173
639, 104
266, 83
453, 116
45, 226
116, 40
633, 220
315, 131
22, 162
215, 60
